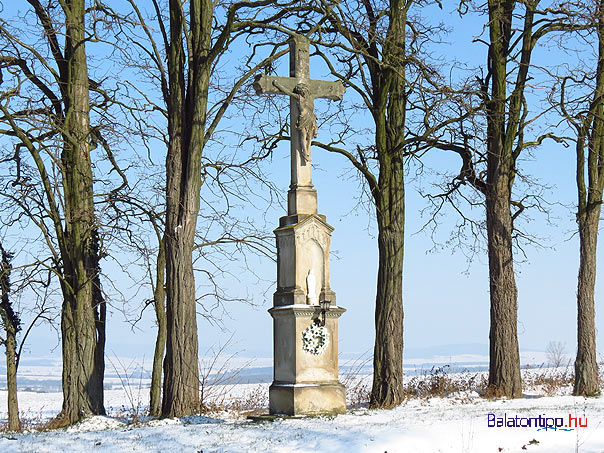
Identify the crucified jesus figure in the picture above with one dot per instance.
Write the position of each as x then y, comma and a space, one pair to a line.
307, 120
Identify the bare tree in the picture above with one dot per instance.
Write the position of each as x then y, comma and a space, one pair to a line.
555, 353
193, 39
581, 104
514, 29
45, 108
590, 134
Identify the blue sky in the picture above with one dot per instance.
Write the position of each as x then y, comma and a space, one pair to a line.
446, 297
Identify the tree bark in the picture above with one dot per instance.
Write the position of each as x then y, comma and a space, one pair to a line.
181, 373
83, 312
387, 388
504, 357
586, 363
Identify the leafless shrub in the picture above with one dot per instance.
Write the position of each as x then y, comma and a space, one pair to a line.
217, 379
133, 411
358, 388
438, 382
254, 402
549, 381
30, 421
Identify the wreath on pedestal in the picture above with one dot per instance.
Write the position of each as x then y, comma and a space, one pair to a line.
315, 339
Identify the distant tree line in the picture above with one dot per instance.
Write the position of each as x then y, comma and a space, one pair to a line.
88, 87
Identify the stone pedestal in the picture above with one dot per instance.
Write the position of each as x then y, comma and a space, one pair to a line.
305, 350
307, 399
305, 382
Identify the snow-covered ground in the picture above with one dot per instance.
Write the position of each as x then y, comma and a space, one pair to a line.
457, 423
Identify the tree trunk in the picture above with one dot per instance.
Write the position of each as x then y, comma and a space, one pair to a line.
387, 388
159, 299
389, 197
181, 373
99, 310
187, 110
83, 311
10, 345
82, 328
586, 364
504, 358
588, 220
503, 123
11, 323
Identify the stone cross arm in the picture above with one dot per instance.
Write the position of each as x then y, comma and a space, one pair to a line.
264, 84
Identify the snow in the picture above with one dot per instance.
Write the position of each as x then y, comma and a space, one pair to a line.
457, 423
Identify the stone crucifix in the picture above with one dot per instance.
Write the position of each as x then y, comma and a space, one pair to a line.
302, 90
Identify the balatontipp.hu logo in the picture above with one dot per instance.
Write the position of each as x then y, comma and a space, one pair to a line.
542, 422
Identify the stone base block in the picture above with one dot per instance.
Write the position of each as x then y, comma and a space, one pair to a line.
302, 200
307, 399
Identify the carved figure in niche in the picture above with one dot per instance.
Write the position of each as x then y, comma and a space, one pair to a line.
311, 288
